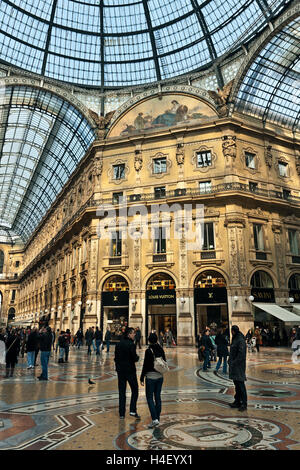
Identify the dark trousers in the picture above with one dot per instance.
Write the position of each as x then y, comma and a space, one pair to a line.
240, 396
206, 363
153, 388
122, 381
138, 342
67, 349
257, 346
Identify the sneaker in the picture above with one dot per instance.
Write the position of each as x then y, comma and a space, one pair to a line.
153, 424
135, 415
122, 417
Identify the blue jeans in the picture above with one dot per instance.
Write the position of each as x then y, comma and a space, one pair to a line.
44, 363
98, 343
30, 358
107, 346
224, 364
153, 387
206, 362
61, 352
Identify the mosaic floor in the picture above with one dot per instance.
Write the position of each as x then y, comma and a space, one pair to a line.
66, 413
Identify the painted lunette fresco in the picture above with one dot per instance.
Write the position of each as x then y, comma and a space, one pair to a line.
158, 112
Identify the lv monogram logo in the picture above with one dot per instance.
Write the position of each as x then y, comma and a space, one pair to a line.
210, 295
115, 298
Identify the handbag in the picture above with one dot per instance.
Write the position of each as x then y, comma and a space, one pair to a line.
159, 364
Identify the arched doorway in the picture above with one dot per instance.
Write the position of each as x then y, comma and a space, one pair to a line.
83, 303
210, 300
115, 306
11, 315
161, 304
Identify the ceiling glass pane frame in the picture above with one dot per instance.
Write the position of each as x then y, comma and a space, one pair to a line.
42, 140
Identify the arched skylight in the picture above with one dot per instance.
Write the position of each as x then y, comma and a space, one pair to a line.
271, 86
113, 43
42, 140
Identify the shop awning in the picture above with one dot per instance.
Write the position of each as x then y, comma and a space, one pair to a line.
296, 309
278, 312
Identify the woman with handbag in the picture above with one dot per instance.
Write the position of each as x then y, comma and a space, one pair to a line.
154, 379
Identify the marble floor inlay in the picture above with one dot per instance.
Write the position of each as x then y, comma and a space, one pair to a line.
66, 413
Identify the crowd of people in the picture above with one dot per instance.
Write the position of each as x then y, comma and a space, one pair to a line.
213, 346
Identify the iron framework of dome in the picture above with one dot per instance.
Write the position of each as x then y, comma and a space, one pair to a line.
114, 43
42, 140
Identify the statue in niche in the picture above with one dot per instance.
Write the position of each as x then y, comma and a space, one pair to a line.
269, 156
229, 146
98, 166
138, 161
102, 122
180, 154
221, 98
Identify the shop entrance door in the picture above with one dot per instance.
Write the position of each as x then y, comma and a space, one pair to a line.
161, 318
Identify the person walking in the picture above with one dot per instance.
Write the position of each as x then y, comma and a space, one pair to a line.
13, 345
169, 338
79, 338
89, 336
237, 368
107, 339
67, 344
206, 346
125, 359
53, 339
138, 337
98, 340
45, 338
161, 338
154, 379
31, 346
57, 345
222, 350
258, 338
62, 345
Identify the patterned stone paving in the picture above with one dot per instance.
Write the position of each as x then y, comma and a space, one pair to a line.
67, 413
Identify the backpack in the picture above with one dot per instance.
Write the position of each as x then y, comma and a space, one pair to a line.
159, 364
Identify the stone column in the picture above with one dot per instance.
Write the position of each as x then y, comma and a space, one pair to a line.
239, 311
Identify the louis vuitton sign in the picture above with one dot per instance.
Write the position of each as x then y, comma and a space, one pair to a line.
161, 297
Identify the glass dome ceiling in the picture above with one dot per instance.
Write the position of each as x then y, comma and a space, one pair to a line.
114, 43
42, 140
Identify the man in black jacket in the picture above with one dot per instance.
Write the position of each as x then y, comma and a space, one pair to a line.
237, 368
207, 345
125, 359
45, 338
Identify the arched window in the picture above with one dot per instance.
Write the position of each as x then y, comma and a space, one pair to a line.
11, 314
1, 261
115, 283
262, 279
161, 281
294, 282
210, 279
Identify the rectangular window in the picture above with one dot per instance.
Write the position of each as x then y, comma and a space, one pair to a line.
117, 197
160, 240
209, 239
205, 186
159, 165
258, 236
282, 168
13, 295
293, 240
252, 186
119, 171
203, 159
286, 194
17, 264
159, 191
250, 159
116, 244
